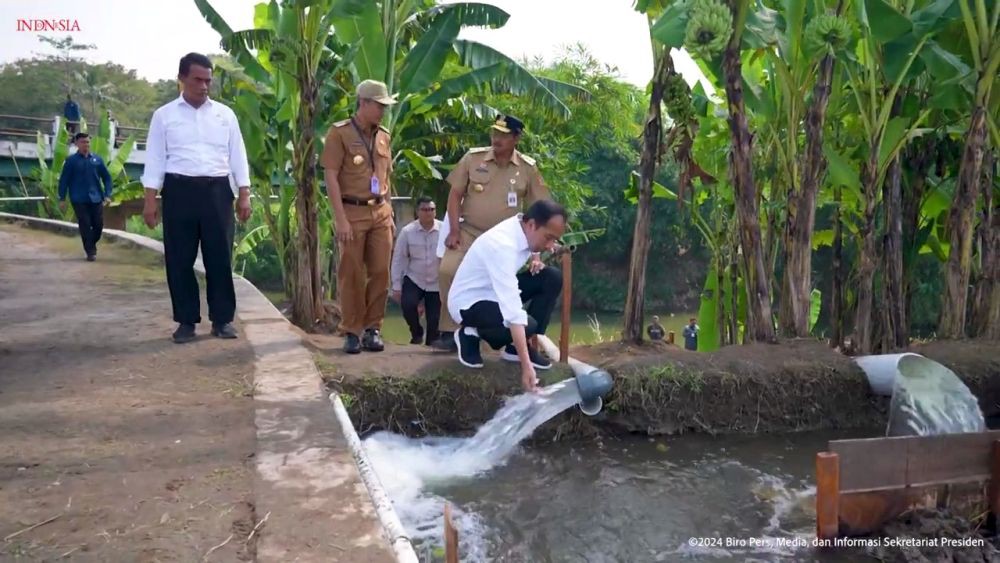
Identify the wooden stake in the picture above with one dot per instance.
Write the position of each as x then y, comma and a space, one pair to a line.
994, 488
670, 337
450, 537
827, 495
567, 303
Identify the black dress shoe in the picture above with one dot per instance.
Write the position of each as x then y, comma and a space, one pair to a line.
537, 359
372, 340
224, 330
91, 257
416, 339
352, 345
184, 333
446, 343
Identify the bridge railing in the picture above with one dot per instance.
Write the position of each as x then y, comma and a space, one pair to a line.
25, 128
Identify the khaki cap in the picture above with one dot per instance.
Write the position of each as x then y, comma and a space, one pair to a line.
375, 90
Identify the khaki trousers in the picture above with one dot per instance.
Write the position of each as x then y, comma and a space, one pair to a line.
363, 271
446, 274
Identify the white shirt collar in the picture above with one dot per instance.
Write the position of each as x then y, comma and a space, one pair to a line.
520, 238
182, 101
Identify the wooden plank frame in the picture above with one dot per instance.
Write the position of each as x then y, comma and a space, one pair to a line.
567, 304
861, 484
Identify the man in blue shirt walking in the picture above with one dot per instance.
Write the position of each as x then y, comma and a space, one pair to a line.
81, 178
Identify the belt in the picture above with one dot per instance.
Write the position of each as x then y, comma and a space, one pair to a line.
363, 202
196, 179
472, 230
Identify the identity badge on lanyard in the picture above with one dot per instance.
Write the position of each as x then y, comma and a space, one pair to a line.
375, 186
512, 195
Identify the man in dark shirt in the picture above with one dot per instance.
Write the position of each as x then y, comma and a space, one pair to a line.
81, 179
71, 112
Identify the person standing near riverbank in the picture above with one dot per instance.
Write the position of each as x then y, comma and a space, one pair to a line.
357, 159
488, 185
81, 179
193, 148
691, 335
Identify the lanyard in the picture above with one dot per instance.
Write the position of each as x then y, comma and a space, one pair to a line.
370, 148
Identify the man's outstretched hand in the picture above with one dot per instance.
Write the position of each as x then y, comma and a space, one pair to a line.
529, 380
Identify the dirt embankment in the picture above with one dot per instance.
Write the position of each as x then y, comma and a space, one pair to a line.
659, 389
934, 535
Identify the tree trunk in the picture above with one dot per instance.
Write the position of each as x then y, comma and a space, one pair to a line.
919, 158
897, 334
652, 136
863, 341
720, 310
837, 291
986, 311
960, 229
734, 279
760, 325
793, 316
307, 294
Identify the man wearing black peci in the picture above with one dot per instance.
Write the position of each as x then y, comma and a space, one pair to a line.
193, 149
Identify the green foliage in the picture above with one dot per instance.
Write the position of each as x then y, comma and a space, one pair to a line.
708, 314
136, 224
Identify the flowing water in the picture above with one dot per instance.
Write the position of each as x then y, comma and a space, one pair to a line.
929, 399
410, 469
630, 500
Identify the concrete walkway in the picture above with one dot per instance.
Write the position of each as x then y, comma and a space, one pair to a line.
120, 445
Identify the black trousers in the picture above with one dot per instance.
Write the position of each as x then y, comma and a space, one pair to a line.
410, 298
90, 220
539, 291
199, 212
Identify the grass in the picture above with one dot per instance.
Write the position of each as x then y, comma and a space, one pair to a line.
243, 387
681, 377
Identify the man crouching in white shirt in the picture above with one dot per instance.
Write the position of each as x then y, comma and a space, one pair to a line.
487, 295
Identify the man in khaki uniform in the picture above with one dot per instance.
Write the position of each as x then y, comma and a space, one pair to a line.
488, 185
357, 159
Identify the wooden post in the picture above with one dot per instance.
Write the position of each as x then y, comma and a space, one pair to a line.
827, 495
994, 488
450, 537
670, 337
567, 303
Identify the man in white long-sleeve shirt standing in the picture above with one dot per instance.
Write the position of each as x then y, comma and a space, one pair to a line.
487, 295
193, 148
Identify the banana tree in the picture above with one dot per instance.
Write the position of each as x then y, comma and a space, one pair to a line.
890, 44
408, 43
47, 175
804, 58
983, 36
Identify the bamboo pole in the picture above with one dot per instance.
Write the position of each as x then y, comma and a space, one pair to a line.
567, 303
827, 495
450, 537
